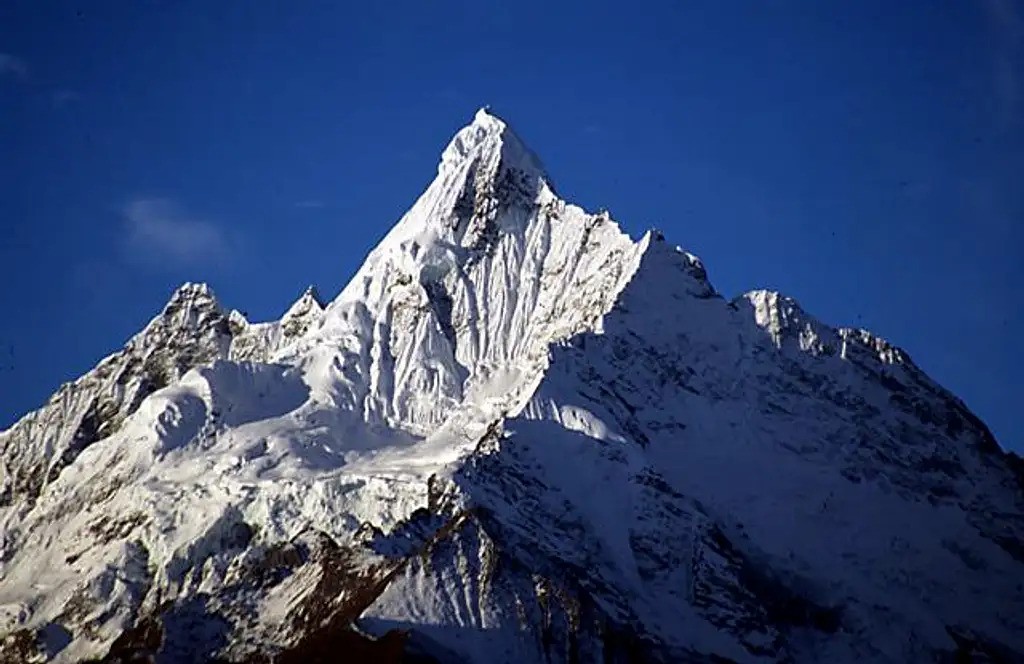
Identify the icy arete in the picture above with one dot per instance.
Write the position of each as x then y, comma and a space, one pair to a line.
516, 435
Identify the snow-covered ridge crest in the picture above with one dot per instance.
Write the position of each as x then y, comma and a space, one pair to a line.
787, 322
191, 329
260, 341
517, 435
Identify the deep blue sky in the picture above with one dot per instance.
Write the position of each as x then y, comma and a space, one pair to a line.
866, 158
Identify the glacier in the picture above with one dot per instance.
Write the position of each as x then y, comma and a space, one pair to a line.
516, 435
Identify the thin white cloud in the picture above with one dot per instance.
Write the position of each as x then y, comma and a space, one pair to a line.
158, 230
15, 67
12, 65
62, 97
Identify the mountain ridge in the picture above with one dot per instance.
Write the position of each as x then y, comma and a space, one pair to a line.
515, 435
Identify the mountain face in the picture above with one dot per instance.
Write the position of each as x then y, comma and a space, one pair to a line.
517, 435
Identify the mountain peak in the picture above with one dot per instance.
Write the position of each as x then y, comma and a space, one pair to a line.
192, 290
303, 313
516, 433
191, 295
313, 294
483, 115
310, 300
491, 139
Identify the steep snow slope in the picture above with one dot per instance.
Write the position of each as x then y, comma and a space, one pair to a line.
516, 435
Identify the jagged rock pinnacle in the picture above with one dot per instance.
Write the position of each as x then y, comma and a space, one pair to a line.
313, 293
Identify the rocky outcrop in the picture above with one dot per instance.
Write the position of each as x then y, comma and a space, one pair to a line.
191, 330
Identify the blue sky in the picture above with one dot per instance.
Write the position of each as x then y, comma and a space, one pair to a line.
864, 158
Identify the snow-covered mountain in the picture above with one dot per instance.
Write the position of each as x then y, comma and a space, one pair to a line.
517, 435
